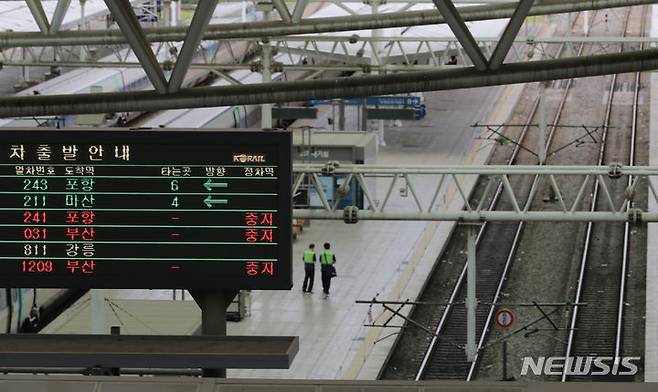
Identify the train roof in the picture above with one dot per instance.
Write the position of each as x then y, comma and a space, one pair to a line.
16, 16
486, 28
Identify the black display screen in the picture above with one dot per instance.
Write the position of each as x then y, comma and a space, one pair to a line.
145, 209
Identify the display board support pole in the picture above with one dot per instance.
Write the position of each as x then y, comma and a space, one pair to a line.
213, 304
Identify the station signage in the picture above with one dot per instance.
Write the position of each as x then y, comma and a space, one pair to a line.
371, 101
145, 209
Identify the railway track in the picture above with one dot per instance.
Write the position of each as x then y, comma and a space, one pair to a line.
497, 244
597, 330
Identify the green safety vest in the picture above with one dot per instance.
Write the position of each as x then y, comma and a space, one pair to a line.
327, 257
308, 256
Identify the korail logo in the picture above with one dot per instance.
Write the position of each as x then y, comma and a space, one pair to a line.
247, 158
580, 366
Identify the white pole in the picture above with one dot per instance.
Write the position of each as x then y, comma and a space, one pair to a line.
178, 13
471, 300
166, 13
266, 109
586, 23
26, 69
83, 55
374, 61
542, 123
98, 323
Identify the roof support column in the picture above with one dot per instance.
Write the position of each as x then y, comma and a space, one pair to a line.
127, 20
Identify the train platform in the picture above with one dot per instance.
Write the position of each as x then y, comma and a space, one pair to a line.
387, 260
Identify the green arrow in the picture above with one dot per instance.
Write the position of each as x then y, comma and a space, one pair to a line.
210, 201
209, 185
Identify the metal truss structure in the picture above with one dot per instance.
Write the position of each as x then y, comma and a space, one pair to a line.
323, 53
486, 57
569, 184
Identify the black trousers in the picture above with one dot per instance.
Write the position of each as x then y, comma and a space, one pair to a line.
326, 278
309, 276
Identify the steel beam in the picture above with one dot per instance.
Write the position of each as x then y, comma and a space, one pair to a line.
298, 11
283, 11
58, 16
130, 27
220, 67
482, 216
305, 46
562, 170
142, 351
510, 33
202, 15
458, 27
407, 82
39, 15
308, 26
389, 1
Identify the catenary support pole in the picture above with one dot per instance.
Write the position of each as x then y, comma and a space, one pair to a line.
81, 27
98, 321
341, 115
266, 108
25, 70
471, 300
541, 151
374, 59
166, 13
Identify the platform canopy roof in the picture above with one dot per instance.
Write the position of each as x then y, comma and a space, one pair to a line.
483, 68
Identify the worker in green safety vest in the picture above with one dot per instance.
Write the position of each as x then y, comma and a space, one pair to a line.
327, 261
309, 268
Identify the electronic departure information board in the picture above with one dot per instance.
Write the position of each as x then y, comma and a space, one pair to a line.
145, 209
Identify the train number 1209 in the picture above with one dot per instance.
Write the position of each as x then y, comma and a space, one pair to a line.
37, 266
